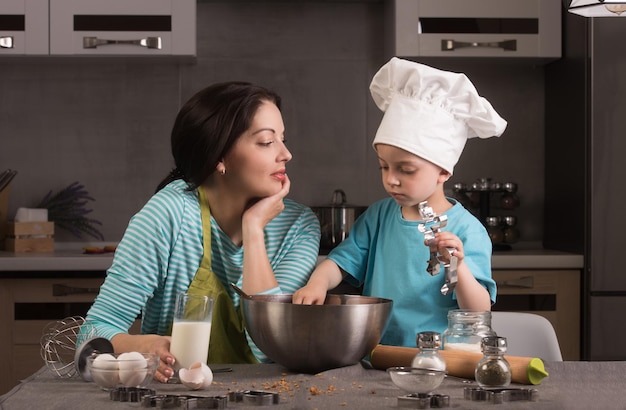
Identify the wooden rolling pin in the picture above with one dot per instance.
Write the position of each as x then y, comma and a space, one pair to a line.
460, 363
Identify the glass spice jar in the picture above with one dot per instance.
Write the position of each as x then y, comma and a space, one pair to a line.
466, 330
494, 230
493, 370
429, 356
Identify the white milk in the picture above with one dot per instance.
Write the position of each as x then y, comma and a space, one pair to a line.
190, 343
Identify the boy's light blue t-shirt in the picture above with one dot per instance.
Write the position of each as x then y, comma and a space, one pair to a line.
386, 254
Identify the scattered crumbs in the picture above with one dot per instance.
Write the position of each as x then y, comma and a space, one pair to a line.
314, 390
372, 391
343, 404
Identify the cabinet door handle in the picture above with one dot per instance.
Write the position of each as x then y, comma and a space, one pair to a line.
148, 42
6, 42
451, 45
64, 290
523, 282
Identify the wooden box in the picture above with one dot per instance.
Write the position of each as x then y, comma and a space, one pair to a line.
4, 208
29, 237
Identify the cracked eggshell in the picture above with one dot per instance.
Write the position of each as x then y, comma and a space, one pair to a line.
133, 368
198, 376
104, 371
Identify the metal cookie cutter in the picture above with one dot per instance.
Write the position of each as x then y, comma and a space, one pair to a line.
130, 394
255, 397
499, 396
432, 224
424, 401
173, 401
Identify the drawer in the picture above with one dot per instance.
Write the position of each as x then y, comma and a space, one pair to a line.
553, 294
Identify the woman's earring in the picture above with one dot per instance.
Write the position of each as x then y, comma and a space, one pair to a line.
223, 171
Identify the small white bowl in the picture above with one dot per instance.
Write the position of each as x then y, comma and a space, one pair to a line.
122, 370
416, 380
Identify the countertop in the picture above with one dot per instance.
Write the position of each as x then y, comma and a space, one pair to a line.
570, 385
72, 258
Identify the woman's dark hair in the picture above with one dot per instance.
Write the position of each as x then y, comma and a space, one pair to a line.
209, 124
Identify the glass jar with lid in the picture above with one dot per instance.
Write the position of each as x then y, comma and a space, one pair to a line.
493, 370
428, 356
466, 329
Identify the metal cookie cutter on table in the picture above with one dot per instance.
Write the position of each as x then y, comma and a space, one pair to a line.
424, 401
130, 394
432, 224
255, 397
187, 402
498, 396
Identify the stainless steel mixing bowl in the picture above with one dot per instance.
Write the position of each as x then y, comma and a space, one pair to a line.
314, 338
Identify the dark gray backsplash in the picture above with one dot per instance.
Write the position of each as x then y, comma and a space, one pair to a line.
106, 123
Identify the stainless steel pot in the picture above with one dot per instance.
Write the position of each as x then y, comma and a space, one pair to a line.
336, 220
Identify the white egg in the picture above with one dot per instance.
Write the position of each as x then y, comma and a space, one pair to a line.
198, 376
133, 368
104, 371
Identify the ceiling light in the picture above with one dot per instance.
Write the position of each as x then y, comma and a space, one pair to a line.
596, 8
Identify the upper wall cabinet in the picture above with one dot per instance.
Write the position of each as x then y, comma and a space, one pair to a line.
23, 27
123, 27
98, 27
477, 28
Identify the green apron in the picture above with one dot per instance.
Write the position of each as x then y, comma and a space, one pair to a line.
228, 339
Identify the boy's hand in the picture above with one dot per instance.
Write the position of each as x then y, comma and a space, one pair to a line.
446, 241
310, 295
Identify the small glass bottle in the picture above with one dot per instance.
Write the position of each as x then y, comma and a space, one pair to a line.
511, 233
494, 230
493, 370
429, 356
466, 330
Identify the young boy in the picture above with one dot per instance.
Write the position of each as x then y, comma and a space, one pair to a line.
429, 114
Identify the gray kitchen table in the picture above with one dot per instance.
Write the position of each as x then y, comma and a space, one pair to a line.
570, 385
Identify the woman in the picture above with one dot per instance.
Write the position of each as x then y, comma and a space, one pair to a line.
227, 192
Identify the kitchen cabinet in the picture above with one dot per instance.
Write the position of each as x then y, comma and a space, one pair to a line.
23, 27
553, 294
122, 27
506, 29
98, 28
30, 305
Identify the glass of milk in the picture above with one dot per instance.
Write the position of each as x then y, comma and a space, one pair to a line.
191, 330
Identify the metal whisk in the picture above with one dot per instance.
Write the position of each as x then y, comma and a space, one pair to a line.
58, 344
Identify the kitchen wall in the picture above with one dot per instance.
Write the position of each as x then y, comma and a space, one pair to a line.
106, 123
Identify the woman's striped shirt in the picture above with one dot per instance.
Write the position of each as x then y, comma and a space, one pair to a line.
161, 251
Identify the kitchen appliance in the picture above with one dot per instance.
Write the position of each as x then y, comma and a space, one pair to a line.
336, 220
584, 168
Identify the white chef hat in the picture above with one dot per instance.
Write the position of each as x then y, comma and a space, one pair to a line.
429, 112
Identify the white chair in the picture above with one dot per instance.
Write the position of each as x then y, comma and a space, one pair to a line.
527, 334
